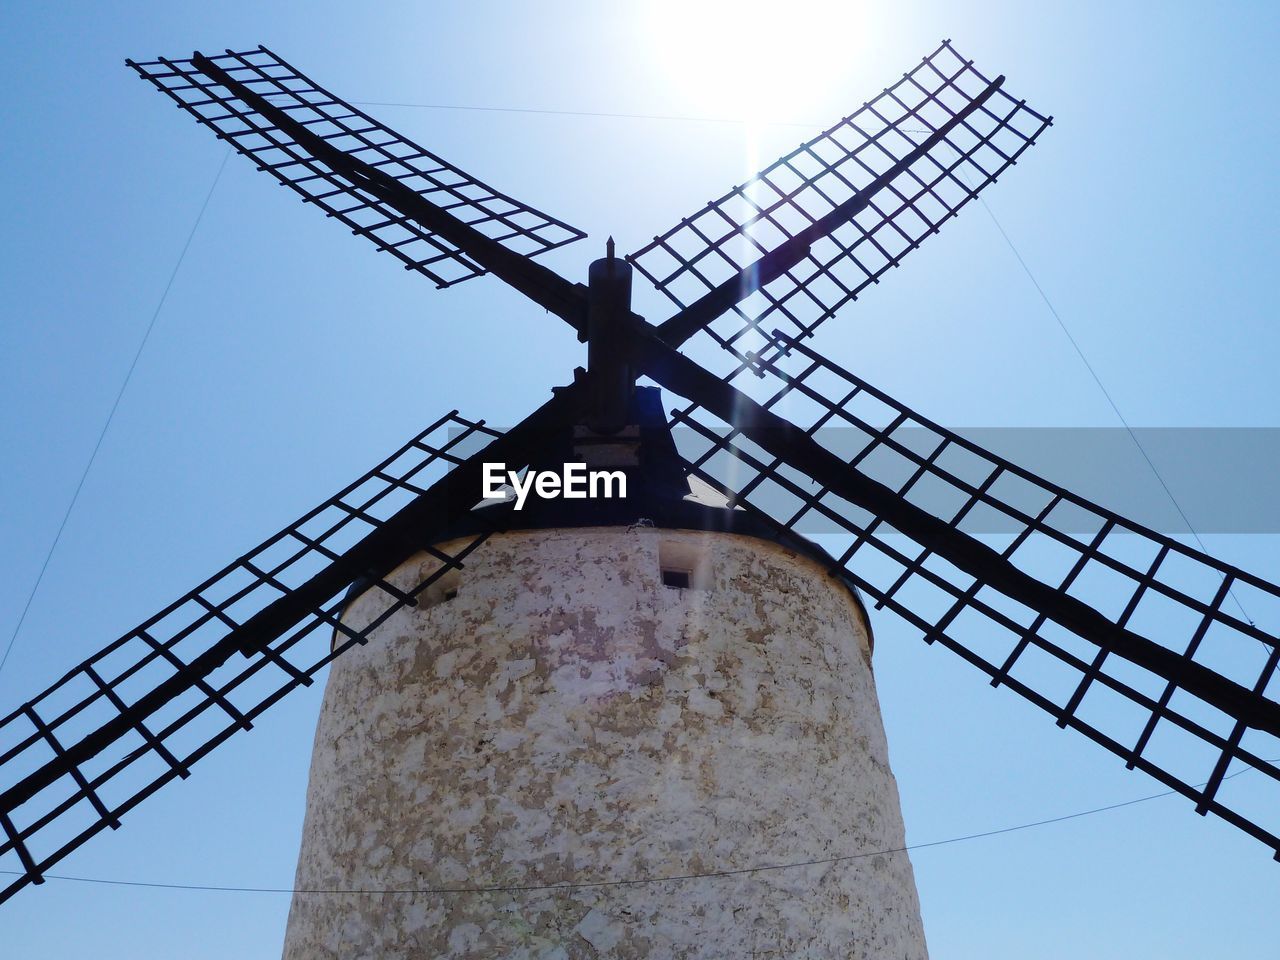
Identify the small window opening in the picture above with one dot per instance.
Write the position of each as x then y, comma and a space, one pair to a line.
684, 564
443, 590
676, 578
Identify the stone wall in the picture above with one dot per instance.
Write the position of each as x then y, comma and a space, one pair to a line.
567, 717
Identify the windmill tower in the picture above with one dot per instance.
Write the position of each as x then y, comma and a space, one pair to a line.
617, 688
544, 718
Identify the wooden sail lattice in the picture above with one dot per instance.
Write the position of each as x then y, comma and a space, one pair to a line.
902, 152
352, 132
140, 712
1167, 698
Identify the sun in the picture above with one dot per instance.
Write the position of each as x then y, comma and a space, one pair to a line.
751, 59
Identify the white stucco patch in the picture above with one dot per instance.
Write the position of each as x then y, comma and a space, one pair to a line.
598, 930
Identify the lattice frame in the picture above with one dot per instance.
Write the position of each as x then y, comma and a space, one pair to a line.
729, 234
517, 226
1153, 585
215, 701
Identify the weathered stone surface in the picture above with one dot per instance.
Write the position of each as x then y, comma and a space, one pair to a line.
566, 717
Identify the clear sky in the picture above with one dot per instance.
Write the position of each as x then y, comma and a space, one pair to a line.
288, 357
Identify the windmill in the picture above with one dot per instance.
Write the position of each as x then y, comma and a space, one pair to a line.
1065, 619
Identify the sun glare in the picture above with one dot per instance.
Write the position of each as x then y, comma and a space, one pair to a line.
750, 59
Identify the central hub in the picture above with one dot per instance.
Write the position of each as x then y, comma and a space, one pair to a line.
608, 366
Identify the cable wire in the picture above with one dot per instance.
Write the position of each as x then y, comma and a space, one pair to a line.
635, 881
1107, 394
585, 113
592, 113
115, 405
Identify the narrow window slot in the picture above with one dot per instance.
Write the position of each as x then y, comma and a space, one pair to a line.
684, 564
679, 579
443, 590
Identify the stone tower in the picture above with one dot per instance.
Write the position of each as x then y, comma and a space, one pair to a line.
629, 691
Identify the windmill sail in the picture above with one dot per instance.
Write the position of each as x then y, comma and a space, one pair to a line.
846, 206
141, 711
199, 86
1163, 669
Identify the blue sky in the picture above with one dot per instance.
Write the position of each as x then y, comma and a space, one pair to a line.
288, 357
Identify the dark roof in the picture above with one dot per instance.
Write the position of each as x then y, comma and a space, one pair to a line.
658, 494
